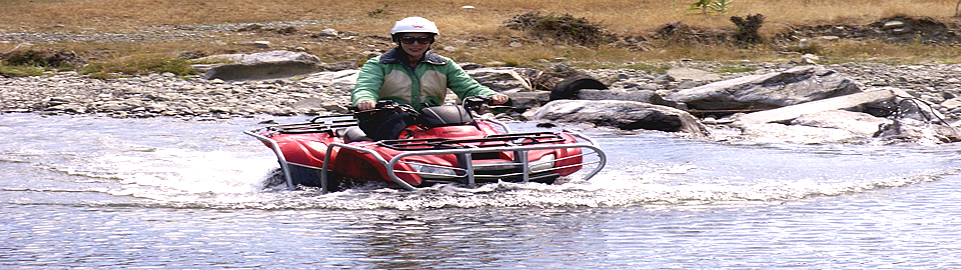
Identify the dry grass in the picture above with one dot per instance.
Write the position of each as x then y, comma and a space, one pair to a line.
482, 26
623, 16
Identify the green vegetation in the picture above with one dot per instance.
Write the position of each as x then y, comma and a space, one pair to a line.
706, 6
139, 65
20, 70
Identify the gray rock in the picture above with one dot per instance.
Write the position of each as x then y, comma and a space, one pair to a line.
260, 71
852, 101
892, 24
678, 74
857, 123
259, 66
500, 80
327, 33
525, 100
798, 134
646, 96
768, 91
627, 115
910, 130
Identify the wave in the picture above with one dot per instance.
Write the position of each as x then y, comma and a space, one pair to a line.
607, 190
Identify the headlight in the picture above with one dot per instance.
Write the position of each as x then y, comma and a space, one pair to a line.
543, 164
432, 171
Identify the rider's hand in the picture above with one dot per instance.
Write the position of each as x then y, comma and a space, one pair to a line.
365, 105
499, 99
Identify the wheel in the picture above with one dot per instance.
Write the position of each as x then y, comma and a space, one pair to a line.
568, 88
273, 180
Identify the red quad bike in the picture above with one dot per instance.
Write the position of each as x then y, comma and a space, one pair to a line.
447, 144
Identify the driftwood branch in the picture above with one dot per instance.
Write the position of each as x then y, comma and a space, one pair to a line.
957, 9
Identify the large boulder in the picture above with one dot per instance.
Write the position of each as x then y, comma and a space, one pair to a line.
627, 115
639, 95
834, 126
767, 91
265, 65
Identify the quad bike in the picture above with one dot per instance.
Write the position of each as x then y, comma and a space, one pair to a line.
444, 144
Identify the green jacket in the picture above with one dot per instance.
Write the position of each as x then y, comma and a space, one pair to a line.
385, 77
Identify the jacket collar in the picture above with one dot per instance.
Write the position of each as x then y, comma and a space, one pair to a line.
393, 56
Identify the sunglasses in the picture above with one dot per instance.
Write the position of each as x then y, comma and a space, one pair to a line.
421, 40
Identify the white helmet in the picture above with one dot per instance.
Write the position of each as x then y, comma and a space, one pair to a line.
414, 25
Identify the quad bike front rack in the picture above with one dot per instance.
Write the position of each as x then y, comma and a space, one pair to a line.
468, 169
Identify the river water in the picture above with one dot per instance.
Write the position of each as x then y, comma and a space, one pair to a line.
100, 193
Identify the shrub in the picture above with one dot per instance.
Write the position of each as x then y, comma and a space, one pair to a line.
564, 28
29, 62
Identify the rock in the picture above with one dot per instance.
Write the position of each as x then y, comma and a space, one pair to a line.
646, 96
308, 103
263, 44
809, 59
852, 101
524, 100
780, 133
767, 91
858, 123
892, 24
951, 104
910, 130
336, 107
627, 115
278, 56
341, 81
266, 65
663, 79
500, 80
327, 33
678, 74
261, 71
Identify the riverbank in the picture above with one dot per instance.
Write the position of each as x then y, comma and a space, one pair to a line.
194, 97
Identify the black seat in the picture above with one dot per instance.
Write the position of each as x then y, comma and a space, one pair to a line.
446, 115
355, 134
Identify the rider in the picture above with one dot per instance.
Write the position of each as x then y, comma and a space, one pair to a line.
411, 74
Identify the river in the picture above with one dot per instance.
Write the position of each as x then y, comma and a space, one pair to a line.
87, 192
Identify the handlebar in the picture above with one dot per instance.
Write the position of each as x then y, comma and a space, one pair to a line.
382, 105
481, 104
478, 104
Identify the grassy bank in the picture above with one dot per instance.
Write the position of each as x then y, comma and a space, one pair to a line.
477, 34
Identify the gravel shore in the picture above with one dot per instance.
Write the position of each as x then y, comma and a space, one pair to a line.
191, 97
